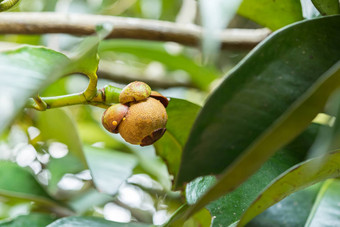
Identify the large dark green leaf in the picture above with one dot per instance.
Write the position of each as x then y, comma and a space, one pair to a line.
230, 207
291, 211
91, 221
31, 220
272, 14
259, 111
266, 86
327, 7
181, 116
294, 179
109, 168
156, 51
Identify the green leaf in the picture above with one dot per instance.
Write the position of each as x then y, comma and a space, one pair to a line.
18, 182
303, 207
265, 102
327, 7
92, 132
84, 57
156, 51
89, 199
31, 220
29, 69
291, 211
181, 116
61, 166
58, 125
272, 14
109, 168
230, 207
326, 208
150, 163
24, 72
294, 179
91, 221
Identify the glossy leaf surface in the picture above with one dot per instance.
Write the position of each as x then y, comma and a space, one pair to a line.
109, 168
229, 208
270, 129
266, 87
181, 116
272, 14
294, 179
291, 211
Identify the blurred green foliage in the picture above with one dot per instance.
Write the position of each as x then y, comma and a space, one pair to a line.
62, 162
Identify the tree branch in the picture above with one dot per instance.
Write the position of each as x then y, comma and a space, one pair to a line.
133, 28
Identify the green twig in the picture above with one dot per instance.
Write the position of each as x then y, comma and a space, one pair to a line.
102, 98
7, 4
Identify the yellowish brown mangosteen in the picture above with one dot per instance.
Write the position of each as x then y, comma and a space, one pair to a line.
144, 123
140, 118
